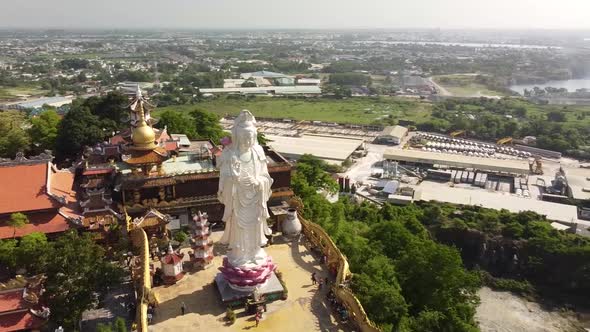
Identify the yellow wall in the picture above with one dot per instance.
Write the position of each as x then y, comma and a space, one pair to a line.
320, 239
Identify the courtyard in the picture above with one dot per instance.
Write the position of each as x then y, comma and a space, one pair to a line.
306, 308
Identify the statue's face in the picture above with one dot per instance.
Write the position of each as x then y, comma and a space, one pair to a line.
246, 138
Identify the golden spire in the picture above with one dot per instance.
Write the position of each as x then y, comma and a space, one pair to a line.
143, 136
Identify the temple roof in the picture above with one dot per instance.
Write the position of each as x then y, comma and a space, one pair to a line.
152, 217
34, 187
150, 157
14, 311
44, 222
172, 258
11, 300
20, 321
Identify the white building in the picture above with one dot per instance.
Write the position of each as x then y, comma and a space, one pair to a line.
392, 135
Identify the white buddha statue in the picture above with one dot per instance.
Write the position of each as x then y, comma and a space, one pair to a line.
244, 189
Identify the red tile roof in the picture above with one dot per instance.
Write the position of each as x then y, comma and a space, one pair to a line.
163, 136
171, 145
117, 139
172, 259
45, 222
25, 189
62, 183
11, 300
20, 321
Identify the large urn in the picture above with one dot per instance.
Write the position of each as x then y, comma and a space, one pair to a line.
291, 225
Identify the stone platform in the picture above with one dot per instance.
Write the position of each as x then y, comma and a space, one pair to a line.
272, 290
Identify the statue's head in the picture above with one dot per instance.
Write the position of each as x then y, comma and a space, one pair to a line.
244, 134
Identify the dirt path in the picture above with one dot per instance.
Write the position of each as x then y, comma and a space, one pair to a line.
505, 312
441, 90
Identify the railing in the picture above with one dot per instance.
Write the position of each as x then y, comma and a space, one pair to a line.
319, 238
145, 295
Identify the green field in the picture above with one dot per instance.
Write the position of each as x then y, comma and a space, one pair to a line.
352, 110
8, 93
461, 85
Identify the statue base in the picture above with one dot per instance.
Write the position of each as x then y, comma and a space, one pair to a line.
248, 277
271, 291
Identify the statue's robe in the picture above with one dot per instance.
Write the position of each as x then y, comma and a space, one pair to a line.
245, 211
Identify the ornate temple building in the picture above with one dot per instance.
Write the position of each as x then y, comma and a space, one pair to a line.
148, 178
37, 189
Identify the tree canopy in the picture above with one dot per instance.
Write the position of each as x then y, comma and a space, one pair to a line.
13, 136
178, 123
44, 130
207, 125
75, 266
393, 260
78, 128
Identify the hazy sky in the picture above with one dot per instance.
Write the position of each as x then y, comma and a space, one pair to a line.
215, 14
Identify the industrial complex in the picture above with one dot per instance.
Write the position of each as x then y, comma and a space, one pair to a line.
433, 159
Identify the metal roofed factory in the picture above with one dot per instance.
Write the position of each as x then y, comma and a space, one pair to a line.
330, 149
460, 161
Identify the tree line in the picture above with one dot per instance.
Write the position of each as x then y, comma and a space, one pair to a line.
89, 122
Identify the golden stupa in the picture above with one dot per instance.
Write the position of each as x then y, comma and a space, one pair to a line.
143, 136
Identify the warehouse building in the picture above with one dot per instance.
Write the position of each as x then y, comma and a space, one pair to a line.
333, 150
392, 135
430, 159
38, 103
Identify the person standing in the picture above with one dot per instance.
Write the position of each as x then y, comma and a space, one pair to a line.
257, 318
313, 279
182, 308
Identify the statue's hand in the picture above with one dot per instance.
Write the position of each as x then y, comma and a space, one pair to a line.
248, 181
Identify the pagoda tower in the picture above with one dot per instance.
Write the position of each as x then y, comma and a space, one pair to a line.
145, 153
202, 253
172, 266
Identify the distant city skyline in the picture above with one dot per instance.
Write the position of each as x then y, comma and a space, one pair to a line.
301, 14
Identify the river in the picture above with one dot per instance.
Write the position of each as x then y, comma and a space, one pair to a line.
570, 85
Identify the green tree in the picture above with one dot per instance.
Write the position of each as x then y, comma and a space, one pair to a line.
378, 289
13, 136
262, 140
178, 123
556, 116
7, 253
44, 130
17, 220
120, 325
207, 125
76, 271
78, 128
112, 109
313, 171
31, 252
345, 79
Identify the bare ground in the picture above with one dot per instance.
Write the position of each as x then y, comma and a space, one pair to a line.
506, 312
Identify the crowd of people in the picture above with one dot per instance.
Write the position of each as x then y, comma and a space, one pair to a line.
339, 307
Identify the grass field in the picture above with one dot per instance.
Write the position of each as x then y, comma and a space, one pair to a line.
352, 110
461, 85
8, 93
